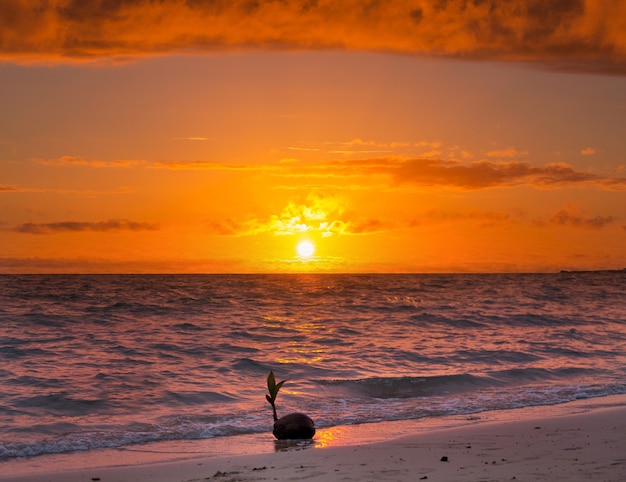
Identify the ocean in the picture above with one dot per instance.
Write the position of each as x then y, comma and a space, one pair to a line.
97, 361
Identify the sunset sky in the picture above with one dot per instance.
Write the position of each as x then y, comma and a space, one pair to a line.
395, 136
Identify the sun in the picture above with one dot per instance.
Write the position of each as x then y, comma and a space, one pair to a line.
305, 249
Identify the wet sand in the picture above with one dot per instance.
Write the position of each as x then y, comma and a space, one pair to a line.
579, 441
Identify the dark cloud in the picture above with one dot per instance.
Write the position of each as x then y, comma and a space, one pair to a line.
368, 226
230, 227
484, 174
570, 216
488, 174
582, 35
76, 226
76, 161
483, 219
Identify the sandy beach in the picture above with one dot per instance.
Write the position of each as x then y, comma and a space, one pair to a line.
578, 441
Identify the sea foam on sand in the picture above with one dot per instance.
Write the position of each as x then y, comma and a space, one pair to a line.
584, 440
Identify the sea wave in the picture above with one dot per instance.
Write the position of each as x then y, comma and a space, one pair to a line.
106, 361
416, 387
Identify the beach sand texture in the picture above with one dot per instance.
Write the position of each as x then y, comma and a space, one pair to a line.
588, 445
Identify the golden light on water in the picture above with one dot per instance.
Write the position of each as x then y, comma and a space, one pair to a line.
331, 436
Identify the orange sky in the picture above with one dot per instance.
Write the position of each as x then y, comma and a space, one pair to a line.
208, 136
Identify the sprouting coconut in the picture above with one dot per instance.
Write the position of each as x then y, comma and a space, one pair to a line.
292, 426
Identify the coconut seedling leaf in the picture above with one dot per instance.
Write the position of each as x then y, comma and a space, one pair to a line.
271, 384
278, 385
273, 388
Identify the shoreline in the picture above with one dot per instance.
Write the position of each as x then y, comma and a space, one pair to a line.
584, 439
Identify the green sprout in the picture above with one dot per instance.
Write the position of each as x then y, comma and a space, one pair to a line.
273, 388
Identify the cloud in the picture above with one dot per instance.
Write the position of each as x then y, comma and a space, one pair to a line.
477, 175
491, 174
360, 147
72, 192
77, 161
328, 216
422, 171
206, 166
368, 226
77, 227
70, 161
572, 216
589, 151
569, 216
305, 149
508, 152
6, 188
483, 219
38, 265
587, 35
322, 214
425, 172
